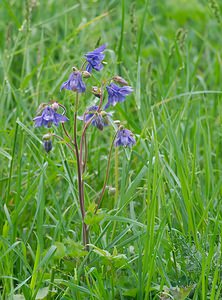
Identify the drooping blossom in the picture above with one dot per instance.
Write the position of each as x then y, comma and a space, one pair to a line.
47, 145
95, 58
124, 138
74, 83
117, 94
47, 142
49, 117
100, 119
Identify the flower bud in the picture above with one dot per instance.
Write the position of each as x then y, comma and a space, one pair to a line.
117, 122
55, 106
96, 91
47, 142
120, 80
47, 145
86, 74
47, 137
74, 69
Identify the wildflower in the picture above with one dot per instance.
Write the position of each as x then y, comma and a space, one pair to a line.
100, 119
47, 142
124, 138
117, 94
74, 83
47, 145
94, 59
48, 117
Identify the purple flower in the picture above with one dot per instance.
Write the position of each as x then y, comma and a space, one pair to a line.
100, 118
117, 94
124, 138
48, 117
47, 145
94, 59
74, 83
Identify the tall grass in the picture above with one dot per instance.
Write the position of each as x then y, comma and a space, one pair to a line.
159, 235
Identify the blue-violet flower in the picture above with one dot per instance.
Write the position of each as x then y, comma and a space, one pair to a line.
74, 83
124, 138
100, 118
48, 117
117, 94
47, 145
95, 58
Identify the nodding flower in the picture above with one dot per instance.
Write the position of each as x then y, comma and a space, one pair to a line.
74, 83
95, 58
124, 138
117, 94
49, 117
99, 119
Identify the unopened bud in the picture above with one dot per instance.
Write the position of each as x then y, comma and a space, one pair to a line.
47, 137
86, 74
96, 91
120, 80
74, 69
47, 142
117, 122
47, 145
55, 106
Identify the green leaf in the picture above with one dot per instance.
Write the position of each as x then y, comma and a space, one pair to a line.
60, 251
5, 154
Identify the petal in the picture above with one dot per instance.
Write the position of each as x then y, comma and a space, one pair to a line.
100, 49
38, 121
98, 67
126, 90
65, 85
89, 68
60, 118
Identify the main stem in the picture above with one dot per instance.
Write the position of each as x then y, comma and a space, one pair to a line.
79, 174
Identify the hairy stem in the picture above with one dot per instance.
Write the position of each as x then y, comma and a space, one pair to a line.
66, 133
107, 175
83, 137
116, 174
80, 183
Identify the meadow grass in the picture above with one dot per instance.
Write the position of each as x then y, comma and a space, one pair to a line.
159, 233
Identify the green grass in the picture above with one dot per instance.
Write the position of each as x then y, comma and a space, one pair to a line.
160, 235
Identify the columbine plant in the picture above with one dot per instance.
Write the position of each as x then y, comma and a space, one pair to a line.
53, 113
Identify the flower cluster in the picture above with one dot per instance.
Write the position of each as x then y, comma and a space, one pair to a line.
96, 115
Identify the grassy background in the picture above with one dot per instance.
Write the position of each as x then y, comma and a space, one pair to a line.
160, 235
